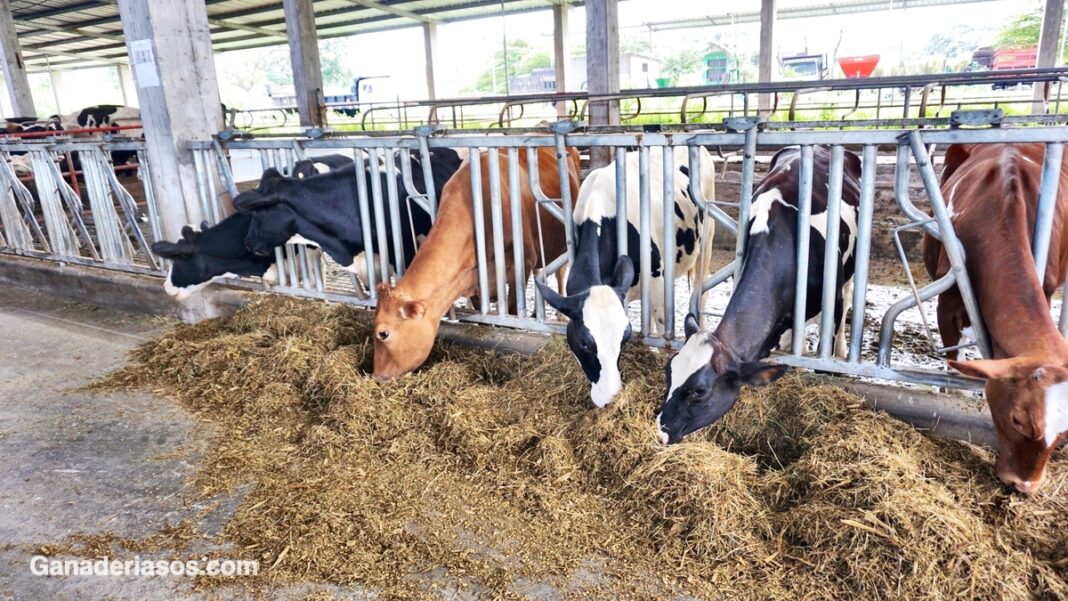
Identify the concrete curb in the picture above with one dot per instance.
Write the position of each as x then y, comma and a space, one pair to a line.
947, 415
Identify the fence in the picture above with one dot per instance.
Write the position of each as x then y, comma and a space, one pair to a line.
866, 102
43, 209
116, 238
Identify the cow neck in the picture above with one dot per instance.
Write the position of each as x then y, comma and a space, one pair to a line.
446, 269
587, 270
760, 307
1010, 295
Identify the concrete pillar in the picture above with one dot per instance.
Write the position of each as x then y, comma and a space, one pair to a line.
561, 53
430, 48
767, 50
126, 85
178, 91
169, 44
1049, 47
304, 55
18, 83
59, 89
602, 68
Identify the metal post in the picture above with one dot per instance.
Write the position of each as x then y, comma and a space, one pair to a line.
863, 251
430, 44
804, 214
1047, 204
667, 254
395, 215
365, 222
564, 173
479, 224
831, 263
497, 222
516, 209
746, 200
621, 201
644, 240
954, 249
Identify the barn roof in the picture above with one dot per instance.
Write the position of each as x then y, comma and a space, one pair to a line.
80, 33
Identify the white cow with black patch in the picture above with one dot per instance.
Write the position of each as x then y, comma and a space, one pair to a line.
704, 379
601, 282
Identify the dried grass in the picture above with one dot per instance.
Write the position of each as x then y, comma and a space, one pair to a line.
494, 471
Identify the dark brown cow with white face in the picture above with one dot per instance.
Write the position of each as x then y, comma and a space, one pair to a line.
992, 193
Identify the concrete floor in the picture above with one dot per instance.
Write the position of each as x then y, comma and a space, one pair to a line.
76, 462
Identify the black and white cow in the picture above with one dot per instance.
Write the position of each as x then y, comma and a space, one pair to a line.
200, 258
101, 116
705, 378
324, 211
601, 282
320, 164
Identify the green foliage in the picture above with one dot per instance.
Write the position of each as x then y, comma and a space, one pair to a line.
680, 64
522, 59
1025, 29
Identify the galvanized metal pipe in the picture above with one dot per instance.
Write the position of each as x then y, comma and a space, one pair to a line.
954, 249
831, 265
365, 225
746, 193
428, 176
644, 241
621, 202
902, 175
1047, 205
886, 330
563, 171
479, 225
804, 214
497, 223
516, 210
667, 250
395, 216
865, 215
382, 248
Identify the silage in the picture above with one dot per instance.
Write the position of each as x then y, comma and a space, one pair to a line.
494, 471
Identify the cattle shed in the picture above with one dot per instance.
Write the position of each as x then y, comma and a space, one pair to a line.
545, 345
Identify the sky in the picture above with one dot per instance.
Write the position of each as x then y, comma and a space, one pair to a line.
466, 48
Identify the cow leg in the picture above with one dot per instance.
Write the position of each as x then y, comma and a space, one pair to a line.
840, 344
951, 320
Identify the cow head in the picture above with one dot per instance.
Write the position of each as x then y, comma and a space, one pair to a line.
704, 382
404, 333
1028, 401
273, 220
597, 327
194, 265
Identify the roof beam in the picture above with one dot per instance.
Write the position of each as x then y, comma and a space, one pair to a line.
393, 10
249, 28
71, 30
84, 57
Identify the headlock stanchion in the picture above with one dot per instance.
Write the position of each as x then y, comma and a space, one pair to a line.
110, 230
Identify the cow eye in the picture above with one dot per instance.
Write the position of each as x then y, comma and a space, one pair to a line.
383, 335
698, 393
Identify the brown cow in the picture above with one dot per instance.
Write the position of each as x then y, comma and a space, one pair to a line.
992, 192
445, 268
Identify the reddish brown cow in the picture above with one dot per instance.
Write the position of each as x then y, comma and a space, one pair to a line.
445, 268
992, 192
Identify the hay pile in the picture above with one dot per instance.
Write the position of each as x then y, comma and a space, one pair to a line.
494, 472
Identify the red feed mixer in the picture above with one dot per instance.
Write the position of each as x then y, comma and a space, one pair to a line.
858, 66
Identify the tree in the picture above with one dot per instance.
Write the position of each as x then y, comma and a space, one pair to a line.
681, 64
1024, 30
522, 59
333, 59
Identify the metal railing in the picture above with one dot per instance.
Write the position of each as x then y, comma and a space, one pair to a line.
52, 224
860, 101
908, 147
44, 213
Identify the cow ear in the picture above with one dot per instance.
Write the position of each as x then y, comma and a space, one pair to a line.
188, 233
413, 309
995, 369
760, 374
623, 276
204, 225
170, 250
249, 201
568, 305
690, 325
270, 176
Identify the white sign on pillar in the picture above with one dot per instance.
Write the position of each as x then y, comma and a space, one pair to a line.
143, 61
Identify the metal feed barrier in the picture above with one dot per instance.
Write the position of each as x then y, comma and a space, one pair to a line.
45, 215
304, 272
